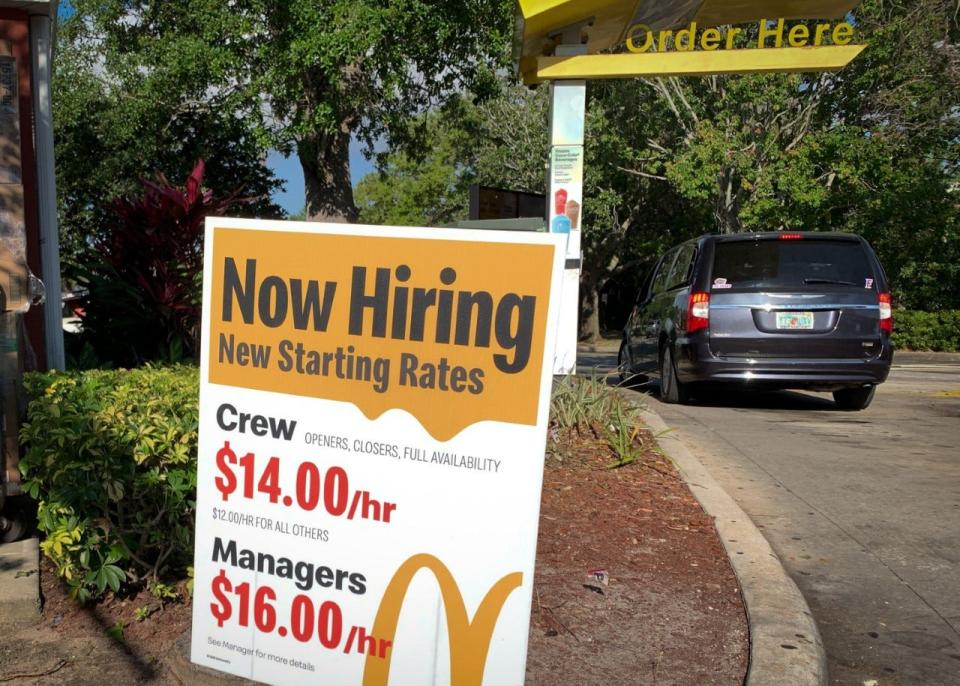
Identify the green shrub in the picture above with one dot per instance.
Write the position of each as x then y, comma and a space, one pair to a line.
111, 458
937, 331
588, 405
144, 280
579, 403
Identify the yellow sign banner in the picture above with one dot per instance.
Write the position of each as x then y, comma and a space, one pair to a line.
698, 51
641, 38
603, 24
698, 63
452, 332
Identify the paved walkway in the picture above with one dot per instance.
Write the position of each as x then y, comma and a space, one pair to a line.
863, 508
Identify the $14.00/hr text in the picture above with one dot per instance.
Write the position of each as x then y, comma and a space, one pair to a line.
314, 488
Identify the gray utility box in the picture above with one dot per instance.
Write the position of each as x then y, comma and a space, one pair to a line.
535, 224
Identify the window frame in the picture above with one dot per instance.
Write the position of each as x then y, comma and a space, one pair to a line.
674, 278
658, 286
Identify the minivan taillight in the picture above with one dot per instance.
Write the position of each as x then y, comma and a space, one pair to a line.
698, 312
886, 312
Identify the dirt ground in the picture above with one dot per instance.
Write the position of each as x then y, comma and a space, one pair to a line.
84, 646
671, 611
632, 587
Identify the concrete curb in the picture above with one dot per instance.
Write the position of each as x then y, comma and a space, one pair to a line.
19, 584
785, 644
907, 358
607, 345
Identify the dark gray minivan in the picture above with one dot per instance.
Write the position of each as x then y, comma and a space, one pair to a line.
766, 311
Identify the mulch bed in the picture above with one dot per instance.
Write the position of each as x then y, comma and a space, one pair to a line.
671, 610
632, 585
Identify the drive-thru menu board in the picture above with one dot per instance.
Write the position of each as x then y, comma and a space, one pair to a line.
373, 417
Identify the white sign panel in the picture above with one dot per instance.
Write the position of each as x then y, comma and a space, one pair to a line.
565, 207
373, 418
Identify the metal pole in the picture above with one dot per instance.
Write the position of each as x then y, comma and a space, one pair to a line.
565, 200
41, 51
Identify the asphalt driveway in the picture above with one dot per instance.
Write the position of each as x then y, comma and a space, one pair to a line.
863, 508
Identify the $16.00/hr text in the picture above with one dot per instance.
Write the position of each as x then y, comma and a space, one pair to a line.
305, 620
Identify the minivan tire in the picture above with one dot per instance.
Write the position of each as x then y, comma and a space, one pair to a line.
854, 398
672, 391
623, 363
13, 530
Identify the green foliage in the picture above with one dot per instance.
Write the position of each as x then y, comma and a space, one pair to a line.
144, 282
936, 331
623, 435
116, 631
366, 67
499, 142
298, 75
588, 405
111, 458
873, 149
412, 192
130, 104
162, 591
581, 403
906, 82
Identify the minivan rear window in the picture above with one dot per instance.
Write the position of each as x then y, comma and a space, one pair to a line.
790, 264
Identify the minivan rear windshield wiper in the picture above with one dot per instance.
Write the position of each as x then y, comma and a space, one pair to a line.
837, 282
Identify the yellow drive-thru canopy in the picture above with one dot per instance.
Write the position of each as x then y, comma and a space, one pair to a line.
603, 25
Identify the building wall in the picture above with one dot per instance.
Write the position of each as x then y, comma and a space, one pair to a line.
19, 210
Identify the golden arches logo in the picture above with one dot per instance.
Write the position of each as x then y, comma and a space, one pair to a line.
469, 640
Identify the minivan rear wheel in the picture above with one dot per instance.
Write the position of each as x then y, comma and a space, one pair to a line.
11, 529
14, 520
671, 390
623, 363
854, 398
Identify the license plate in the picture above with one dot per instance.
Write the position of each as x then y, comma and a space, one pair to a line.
794, 320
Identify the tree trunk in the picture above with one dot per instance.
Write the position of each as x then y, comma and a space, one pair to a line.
727, 209
590, 319
325, 159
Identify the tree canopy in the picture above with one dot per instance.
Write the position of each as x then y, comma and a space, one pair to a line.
873, 149
126, 109
151, 85
328, 70
300, 76
496, 141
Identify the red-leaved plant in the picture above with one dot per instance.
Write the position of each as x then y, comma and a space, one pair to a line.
145, 287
